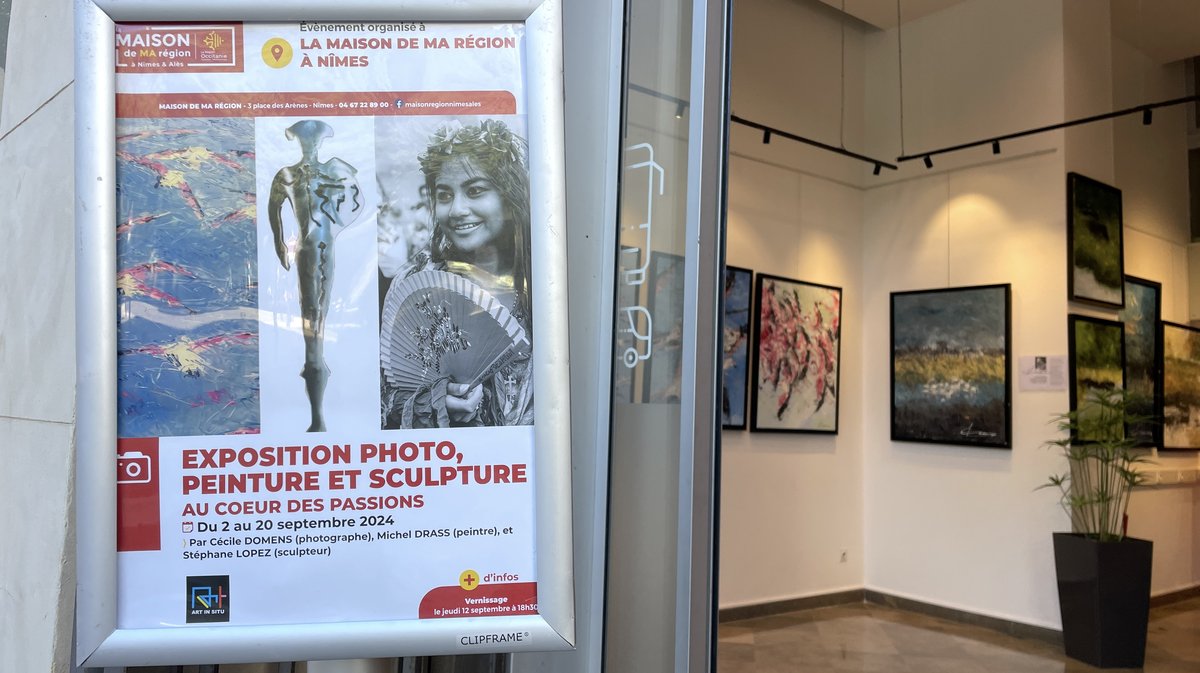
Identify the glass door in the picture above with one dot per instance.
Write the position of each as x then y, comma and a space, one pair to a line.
660, 598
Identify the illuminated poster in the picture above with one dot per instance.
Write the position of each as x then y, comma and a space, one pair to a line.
325, 324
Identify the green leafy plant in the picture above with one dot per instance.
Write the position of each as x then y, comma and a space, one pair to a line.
1102, 462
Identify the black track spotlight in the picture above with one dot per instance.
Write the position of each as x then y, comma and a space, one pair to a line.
1147, 117
878, 168
766, 137
928, 161
995, 147
679, 109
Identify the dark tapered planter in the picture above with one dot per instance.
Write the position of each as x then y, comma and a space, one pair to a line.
1104, 596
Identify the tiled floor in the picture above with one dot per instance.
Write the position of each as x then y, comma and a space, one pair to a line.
876, 639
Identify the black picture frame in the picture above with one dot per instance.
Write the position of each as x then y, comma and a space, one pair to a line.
1143, 358
951, 358
1096, 358
1095, 243
797, 356
1181, 387
737, 315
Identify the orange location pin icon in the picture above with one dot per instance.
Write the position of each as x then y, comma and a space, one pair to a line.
276, 52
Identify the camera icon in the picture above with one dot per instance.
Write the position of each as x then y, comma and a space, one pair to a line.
133, 467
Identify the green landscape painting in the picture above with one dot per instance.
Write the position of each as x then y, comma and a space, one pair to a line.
1096, 267
1143, 356
1181, 387
1097, 359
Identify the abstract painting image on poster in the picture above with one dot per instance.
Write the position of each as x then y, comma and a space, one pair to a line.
797, 346
950, 366
187, 278
1181, 387
1143, 358
1097, 364
1095, 252
735, 347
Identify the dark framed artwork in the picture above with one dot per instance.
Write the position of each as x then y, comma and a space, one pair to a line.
735, 347
797, 347
1143, 358
663, 374
1095, 249
951, 352
1096, 351
1181, 387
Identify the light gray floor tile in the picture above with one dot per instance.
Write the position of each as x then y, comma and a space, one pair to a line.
868, 638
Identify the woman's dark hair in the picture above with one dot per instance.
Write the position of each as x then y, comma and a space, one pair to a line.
502, 157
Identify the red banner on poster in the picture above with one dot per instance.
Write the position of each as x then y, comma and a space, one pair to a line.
335, 104
481, 600
138, 526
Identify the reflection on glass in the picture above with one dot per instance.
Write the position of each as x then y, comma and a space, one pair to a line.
649, 336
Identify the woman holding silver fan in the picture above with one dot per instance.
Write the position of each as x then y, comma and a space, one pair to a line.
443, 366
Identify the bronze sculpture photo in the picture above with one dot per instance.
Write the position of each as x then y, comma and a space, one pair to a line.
325, 198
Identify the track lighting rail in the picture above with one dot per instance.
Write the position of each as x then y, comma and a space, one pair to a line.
1146, 110
769, 131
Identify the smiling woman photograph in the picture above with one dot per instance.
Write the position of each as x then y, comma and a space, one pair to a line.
456, 327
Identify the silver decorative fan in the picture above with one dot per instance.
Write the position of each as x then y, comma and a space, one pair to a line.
438, 324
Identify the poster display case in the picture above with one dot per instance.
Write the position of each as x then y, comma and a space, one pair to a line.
313, 243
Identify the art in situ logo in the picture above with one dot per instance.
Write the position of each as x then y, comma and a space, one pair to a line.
207, 598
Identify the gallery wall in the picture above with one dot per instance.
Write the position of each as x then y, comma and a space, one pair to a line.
958, 526
1151, 168
792, 503
954, 526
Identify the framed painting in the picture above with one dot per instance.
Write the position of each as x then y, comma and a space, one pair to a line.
1181, 387
797, 347
663, 373
1096, 351
1095, 249
221, 148
735, 347
950, 366
1143, 358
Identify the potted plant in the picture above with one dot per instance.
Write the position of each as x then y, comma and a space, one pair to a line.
1103, 575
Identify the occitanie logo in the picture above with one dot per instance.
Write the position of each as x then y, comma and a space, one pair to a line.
276, 52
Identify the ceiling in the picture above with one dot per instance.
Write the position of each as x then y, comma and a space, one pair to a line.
1165, 30
882, 13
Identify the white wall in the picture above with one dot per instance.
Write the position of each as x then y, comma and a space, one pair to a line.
958, 526
37, 342
791, 503
786, 72
977, 69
